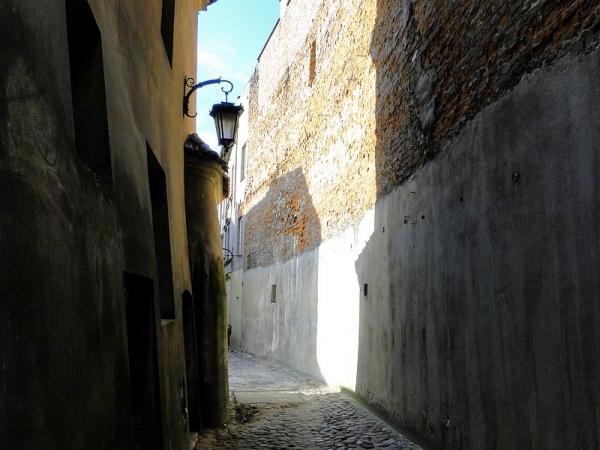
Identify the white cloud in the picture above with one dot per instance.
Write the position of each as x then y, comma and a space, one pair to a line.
203, 120
221, 60
209, 62
210, 139
226, 48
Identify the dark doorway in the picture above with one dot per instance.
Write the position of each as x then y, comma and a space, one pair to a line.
191, 361
143, 361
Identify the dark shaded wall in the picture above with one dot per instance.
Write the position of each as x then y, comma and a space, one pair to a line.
491, 245
61, 289
69, 232
490, 325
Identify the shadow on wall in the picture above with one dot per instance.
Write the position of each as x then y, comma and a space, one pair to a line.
287, 213
395, 287
279, 307
479, 308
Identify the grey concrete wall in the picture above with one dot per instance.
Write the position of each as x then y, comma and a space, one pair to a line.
287, 329
479, 328
492, 315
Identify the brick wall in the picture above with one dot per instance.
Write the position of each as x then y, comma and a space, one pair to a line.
285, 222
448, 60
323, 129
357, 95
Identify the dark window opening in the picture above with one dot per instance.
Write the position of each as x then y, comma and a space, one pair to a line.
143, 361
167, 25
366, 289
162, 235
240, 236
273, 293
312, 70
243, 163
88, 91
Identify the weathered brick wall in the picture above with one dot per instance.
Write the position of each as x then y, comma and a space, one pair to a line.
393, 81
293, 224
324, 129
282, 49
445, 61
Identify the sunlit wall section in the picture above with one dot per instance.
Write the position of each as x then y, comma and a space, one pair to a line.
311, 185
341, 287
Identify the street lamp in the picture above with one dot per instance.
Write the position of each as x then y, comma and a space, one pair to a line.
226, 117
225, 114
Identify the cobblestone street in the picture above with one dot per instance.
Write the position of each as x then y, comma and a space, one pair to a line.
273, 407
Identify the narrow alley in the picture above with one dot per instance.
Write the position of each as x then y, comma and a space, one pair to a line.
274, 407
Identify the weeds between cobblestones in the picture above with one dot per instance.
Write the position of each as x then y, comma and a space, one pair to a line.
320, 418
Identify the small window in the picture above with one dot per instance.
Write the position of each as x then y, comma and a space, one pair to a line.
366, 289
243, 163
273, 293
312, 71
240, 236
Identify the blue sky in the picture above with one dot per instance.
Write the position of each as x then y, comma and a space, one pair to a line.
231, 35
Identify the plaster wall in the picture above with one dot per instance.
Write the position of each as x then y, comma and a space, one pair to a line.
234, 307
68, 236
313, 325
479, 325
204, 188
492, 309
276, 329
231, 222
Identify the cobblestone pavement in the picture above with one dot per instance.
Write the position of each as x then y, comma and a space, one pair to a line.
273, 407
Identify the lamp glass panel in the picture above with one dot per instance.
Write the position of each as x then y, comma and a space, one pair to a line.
226, 118
226, 123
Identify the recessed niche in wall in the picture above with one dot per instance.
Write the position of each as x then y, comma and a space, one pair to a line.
243, 162
312, 67
162, 236
88, 91
167, 24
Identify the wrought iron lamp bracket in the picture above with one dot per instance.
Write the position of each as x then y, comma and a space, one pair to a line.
190, 83
230, 255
